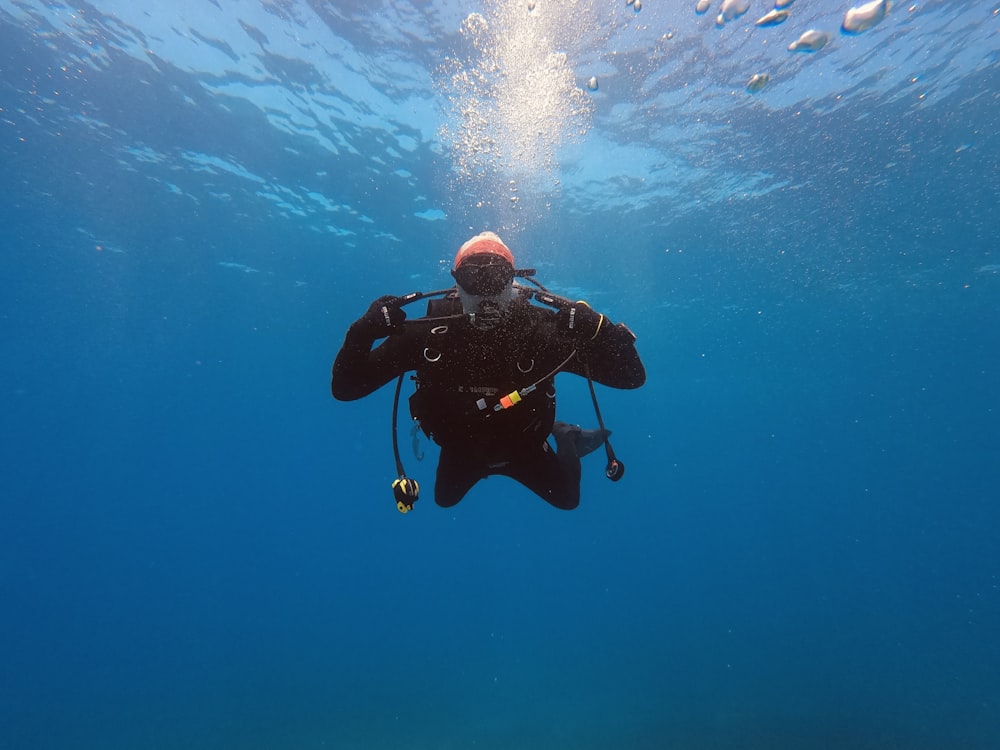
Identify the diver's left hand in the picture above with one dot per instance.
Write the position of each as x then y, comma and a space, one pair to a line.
580, 320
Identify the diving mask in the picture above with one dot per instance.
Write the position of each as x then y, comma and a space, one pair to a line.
484, 276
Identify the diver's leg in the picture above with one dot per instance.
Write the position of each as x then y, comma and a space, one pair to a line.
553, 477
457, 472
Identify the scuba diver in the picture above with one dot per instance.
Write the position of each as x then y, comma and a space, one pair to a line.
485, 360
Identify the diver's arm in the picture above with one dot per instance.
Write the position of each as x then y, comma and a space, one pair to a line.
359, 370
605, 349
611, 357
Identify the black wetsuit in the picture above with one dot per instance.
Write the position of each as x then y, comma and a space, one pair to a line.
462, 373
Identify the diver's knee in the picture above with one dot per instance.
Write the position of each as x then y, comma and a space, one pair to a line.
447, 501
564, 500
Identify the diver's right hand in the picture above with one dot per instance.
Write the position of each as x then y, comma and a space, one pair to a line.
385, 315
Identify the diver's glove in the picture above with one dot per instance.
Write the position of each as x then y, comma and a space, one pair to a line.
580, 320
384, 316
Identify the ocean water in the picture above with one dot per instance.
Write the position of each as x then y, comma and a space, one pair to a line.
199, 547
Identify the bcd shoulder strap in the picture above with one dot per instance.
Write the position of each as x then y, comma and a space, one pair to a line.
443, 307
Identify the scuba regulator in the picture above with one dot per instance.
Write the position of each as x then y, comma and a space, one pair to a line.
405, 490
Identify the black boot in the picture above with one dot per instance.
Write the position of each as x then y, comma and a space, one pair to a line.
573, 438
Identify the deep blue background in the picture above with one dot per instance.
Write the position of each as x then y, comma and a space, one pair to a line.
199, 549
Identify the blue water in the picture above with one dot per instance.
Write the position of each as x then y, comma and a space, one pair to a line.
199, 547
